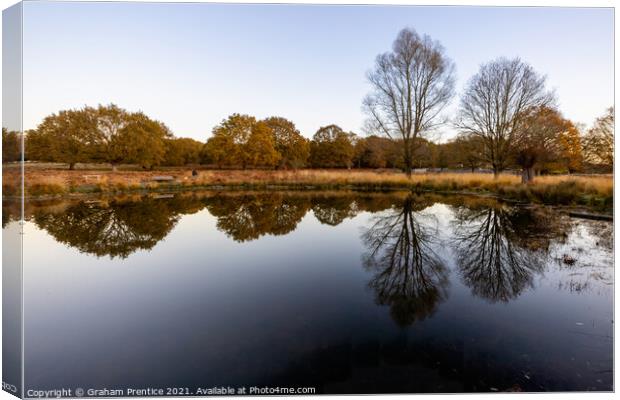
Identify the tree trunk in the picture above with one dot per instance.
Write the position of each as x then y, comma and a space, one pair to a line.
71, 166
408, 161
527, 175
114, 167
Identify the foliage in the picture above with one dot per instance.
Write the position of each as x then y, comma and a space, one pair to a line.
467, 151
259, 150
110, 122
598, 143
11, 145
377, 152
570, 156
233, 134
218, 150
181, 151
104, 134
69, 137
538, 139
331, 147
293, 148
140, 141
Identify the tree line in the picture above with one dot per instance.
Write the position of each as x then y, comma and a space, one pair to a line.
506, 119
551, 144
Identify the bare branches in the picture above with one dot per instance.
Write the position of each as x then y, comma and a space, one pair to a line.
411, 86
495, 103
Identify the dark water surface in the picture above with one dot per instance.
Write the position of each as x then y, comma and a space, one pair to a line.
344, 292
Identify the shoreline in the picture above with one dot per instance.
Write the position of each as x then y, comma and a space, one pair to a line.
592, 192
573, 210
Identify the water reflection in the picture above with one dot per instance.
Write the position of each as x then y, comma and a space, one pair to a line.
250, 216
10, 212
120, 226
333, 210
408, 275
277, 329
500, 248
116, 228
497, 245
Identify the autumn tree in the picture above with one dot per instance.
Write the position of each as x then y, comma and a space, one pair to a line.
331, 147
69, 137
439, 155
496, 102
598, 143
467, 150
181, 151
411, 85
377, 152
232, 133
37, 145
538, 139
218, 150
571, 154
423, 154
140, 141
259, 150
11, 145
294, 149
110, 121
104, 134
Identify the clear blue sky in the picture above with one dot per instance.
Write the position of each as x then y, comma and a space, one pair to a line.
191, 65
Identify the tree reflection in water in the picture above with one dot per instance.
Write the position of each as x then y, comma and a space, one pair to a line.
248, 217
500, 248
409, 276
115, 228
333, 210
120, 226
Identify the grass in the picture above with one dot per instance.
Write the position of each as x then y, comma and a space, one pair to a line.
594, 191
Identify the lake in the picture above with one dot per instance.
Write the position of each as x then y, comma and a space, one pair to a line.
344, 292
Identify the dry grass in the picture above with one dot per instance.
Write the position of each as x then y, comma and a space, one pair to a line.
583, 190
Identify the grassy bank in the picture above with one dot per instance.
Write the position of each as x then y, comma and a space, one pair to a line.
591, 191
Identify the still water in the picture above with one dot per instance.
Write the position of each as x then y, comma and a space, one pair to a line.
340, 291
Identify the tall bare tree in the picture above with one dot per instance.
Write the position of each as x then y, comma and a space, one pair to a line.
411, 85
496, 101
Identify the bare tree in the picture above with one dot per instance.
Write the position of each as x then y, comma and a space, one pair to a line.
411, 86
495, 103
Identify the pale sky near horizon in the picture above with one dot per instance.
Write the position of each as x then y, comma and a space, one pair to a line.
191, 65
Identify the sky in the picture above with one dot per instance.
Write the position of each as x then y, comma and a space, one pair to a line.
192, 65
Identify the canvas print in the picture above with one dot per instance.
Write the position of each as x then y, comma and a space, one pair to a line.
204, 199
